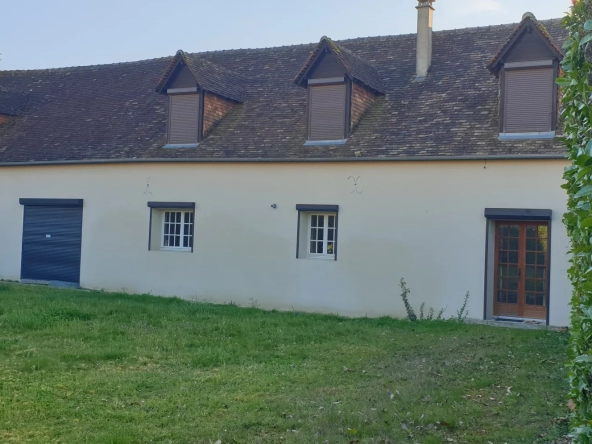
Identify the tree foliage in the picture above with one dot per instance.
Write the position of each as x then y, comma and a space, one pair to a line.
576, 82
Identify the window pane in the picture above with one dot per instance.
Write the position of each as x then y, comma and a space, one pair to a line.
330, 248
330, 235
166, 216
313, 234
321, 221
313, 220
320, 247
320, 234
331, 221
313, 247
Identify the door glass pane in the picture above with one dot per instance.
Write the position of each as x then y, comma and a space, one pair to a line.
540, 299
541, 258
530, 257
513, 243
530, 285
513, 257
501, 296
530, 298
530, 271
531, 244
514, 230
531, 231
540, 272
512, 297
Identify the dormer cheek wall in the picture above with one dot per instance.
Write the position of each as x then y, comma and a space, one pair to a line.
361, 100
215, 108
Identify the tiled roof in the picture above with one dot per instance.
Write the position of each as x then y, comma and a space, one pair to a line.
112, 112
12, 102
357, 68
208, 76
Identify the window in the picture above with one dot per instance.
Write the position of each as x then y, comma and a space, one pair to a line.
322, 237
171, 226
327, 110
183, 123
177, 230
317, 231
529, 100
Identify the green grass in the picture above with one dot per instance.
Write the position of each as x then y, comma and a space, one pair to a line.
80, 367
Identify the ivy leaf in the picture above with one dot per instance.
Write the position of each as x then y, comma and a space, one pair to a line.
584, 358
589, 148
585, 191
588, 25
562, 81
586, 39
586, 223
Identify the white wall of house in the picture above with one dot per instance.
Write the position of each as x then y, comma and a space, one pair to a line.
419, 220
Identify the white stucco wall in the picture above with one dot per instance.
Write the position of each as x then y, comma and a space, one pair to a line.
419, 220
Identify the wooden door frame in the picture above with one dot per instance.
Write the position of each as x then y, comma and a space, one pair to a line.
510, 215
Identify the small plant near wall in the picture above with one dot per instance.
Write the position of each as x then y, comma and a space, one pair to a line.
461, 314
576, 82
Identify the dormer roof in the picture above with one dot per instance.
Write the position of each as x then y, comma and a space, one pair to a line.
358, 69
528, 24
208, 76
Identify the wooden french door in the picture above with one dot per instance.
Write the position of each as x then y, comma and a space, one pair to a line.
521, 269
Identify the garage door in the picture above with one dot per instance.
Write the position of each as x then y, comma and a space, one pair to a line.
52, 236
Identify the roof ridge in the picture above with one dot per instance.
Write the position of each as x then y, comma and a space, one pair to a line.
81, 67
270, 48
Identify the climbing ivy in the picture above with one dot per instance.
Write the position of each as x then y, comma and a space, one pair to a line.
576, 83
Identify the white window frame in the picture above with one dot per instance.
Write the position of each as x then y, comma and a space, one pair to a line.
182, 234
325, 228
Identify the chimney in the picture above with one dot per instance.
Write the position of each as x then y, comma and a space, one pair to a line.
425, 14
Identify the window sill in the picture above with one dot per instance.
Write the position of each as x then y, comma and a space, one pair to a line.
181, 145
325, 142
177, 250
526, 136
321, 258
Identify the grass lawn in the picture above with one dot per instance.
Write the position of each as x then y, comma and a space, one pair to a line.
80, 367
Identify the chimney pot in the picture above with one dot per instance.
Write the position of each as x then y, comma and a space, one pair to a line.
425, 13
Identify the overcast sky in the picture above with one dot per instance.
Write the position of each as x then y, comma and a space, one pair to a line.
56, 33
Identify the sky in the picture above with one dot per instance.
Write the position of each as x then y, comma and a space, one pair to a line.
58, 33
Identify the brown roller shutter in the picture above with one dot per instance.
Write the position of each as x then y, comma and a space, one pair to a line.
183, 118
528, 100
327, 112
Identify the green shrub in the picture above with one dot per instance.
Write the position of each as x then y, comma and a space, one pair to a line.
577, 118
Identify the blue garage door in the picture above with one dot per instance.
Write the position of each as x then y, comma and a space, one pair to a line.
52, 237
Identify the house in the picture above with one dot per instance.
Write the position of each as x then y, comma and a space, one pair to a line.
311, 177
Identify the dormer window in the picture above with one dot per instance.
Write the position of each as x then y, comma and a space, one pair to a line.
200, 95
341, 87
529, 99
183, 120
527, 66
327, 110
